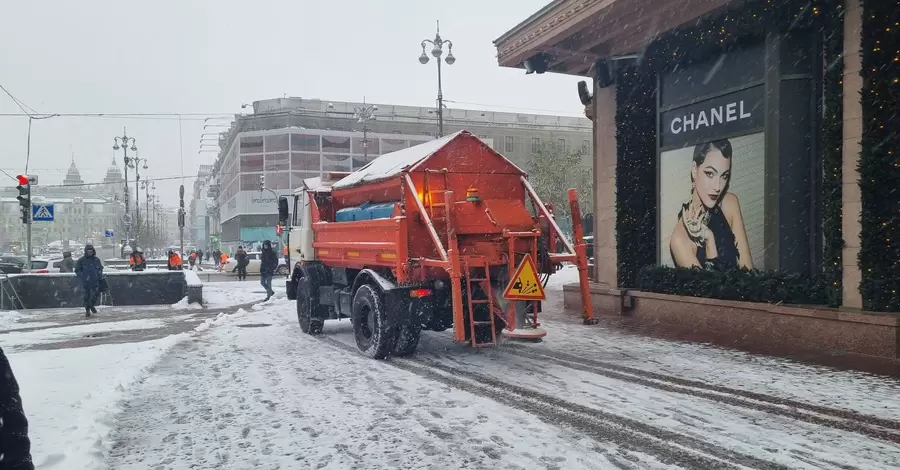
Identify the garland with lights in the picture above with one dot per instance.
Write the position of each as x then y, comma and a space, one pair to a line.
636, 174
879, 161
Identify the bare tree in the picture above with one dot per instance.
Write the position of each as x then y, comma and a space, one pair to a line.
552, 171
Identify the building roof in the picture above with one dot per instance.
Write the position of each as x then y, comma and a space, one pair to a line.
571, 35
73, 177
113, 174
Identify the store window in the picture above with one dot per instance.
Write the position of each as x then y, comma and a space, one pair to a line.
305, 142
278, 180
392, 145
297, 177
278, 161
305, 161
372, 146
277, 143
335, 144
535, 145
250, 182
251, 144
336, 163
510, 144
251, 163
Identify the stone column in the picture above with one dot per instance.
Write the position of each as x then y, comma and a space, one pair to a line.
852, 147
605, 186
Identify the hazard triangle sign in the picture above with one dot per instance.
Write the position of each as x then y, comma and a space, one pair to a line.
525, 284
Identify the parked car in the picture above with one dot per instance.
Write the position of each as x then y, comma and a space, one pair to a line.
12, 264
254, 262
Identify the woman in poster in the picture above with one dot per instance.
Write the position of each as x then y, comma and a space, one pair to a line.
710, 230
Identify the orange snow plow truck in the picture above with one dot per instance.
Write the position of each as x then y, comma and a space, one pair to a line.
448, 233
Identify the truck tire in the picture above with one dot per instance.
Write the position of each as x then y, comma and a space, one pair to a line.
370, 327
407, 339
307, 309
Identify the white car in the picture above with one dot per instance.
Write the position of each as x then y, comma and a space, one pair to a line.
45, 265
254, 260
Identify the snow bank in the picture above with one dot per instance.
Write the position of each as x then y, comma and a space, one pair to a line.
221, 319
192, 279
183, 304
71, 397
9, 320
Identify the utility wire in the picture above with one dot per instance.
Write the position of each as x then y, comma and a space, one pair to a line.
164, 178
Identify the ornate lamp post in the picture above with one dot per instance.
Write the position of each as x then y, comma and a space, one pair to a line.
437, 50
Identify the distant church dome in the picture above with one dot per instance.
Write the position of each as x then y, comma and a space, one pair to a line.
73, 177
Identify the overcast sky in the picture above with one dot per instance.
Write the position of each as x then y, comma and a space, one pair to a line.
209, 57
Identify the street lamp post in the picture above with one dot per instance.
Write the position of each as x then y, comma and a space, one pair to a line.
437, 50
124, 142
363, 114
137, 194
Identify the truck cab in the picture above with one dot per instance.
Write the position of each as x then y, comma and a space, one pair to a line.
300, 233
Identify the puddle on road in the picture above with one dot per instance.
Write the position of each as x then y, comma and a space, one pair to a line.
254, 325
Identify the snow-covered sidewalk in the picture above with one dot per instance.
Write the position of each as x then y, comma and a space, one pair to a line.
73, 371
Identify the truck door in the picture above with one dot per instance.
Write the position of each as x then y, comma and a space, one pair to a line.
301, 229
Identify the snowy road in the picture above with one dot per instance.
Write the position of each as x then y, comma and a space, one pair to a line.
253, 392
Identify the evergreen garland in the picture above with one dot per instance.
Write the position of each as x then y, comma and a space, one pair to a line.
879, 161
736, 284
636, 178
832, 150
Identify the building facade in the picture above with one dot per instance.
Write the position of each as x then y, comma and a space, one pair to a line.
287, 140
83, 212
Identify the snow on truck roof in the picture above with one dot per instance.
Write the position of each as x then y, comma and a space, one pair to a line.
392, 164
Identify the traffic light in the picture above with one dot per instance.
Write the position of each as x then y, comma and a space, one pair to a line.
262, 182
24, 197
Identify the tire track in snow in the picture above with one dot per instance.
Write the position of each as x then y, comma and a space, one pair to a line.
670, 447
845, 420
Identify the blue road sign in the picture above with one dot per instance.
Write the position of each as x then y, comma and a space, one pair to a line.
42, 212
108, 233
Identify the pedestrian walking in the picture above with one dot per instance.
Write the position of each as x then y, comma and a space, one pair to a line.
15, 448
89, 269
67, 265
267, 266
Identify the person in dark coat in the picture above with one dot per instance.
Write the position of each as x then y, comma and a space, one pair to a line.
89, 269
67, 265
267, 266
14, 444
242, 261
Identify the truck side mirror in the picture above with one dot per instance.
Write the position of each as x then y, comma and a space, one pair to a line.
282, 211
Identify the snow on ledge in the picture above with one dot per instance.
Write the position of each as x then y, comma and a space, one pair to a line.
192, 279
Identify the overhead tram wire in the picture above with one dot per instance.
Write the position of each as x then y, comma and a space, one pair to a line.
163, 178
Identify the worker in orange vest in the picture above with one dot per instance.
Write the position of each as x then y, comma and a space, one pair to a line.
175, 263
223, 260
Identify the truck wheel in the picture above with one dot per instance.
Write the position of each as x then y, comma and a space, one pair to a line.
407, 339
373, 336
306, 308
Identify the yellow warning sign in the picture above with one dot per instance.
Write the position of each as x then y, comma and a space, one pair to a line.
525, 284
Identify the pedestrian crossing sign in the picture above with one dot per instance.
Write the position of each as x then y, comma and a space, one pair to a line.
42, 212
525, 284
